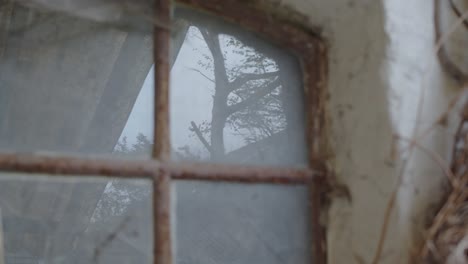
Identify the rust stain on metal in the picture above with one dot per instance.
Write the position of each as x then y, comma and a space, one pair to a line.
162, 222
161, 147
63, 166
318, 241
245, 174
315, 81
289, 36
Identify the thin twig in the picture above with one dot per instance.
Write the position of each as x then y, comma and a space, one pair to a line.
443, 117
202, 74
200, 136
246, 77
434, 156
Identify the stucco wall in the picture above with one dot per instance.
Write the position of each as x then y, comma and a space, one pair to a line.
382, 62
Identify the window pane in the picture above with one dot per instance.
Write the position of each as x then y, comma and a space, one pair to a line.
73, 80
235, 98
227, 223
75, 220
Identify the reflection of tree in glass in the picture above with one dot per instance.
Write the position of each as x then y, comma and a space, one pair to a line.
256, 102
246, 97
142, 147
119, 195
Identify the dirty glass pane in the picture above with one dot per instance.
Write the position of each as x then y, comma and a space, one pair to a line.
235, 98
75, 220
228, 223
75, 80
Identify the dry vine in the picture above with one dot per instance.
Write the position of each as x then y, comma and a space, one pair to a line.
450, 225
414, 141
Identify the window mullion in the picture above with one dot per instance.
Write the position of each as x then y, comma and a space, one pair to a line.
161, 215
161, 148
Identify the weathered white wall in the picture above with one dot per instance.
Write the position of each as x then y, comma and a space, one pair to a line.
382, 58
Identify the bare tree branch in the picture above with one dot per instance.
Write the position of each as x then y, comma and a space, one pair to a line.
202, 74
244, 78
200, 136
254, 97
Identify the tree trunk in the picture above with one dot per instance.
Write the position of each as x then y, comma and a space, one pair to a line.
219, 110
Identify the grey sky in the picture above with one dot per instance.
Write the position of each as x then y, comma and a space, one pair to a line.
141, 117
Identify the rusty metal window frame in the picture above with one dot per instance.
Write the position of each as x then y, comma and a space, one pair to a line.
308, 48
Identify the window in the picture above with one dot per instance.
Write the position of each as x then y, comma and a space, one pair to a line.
94, 172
